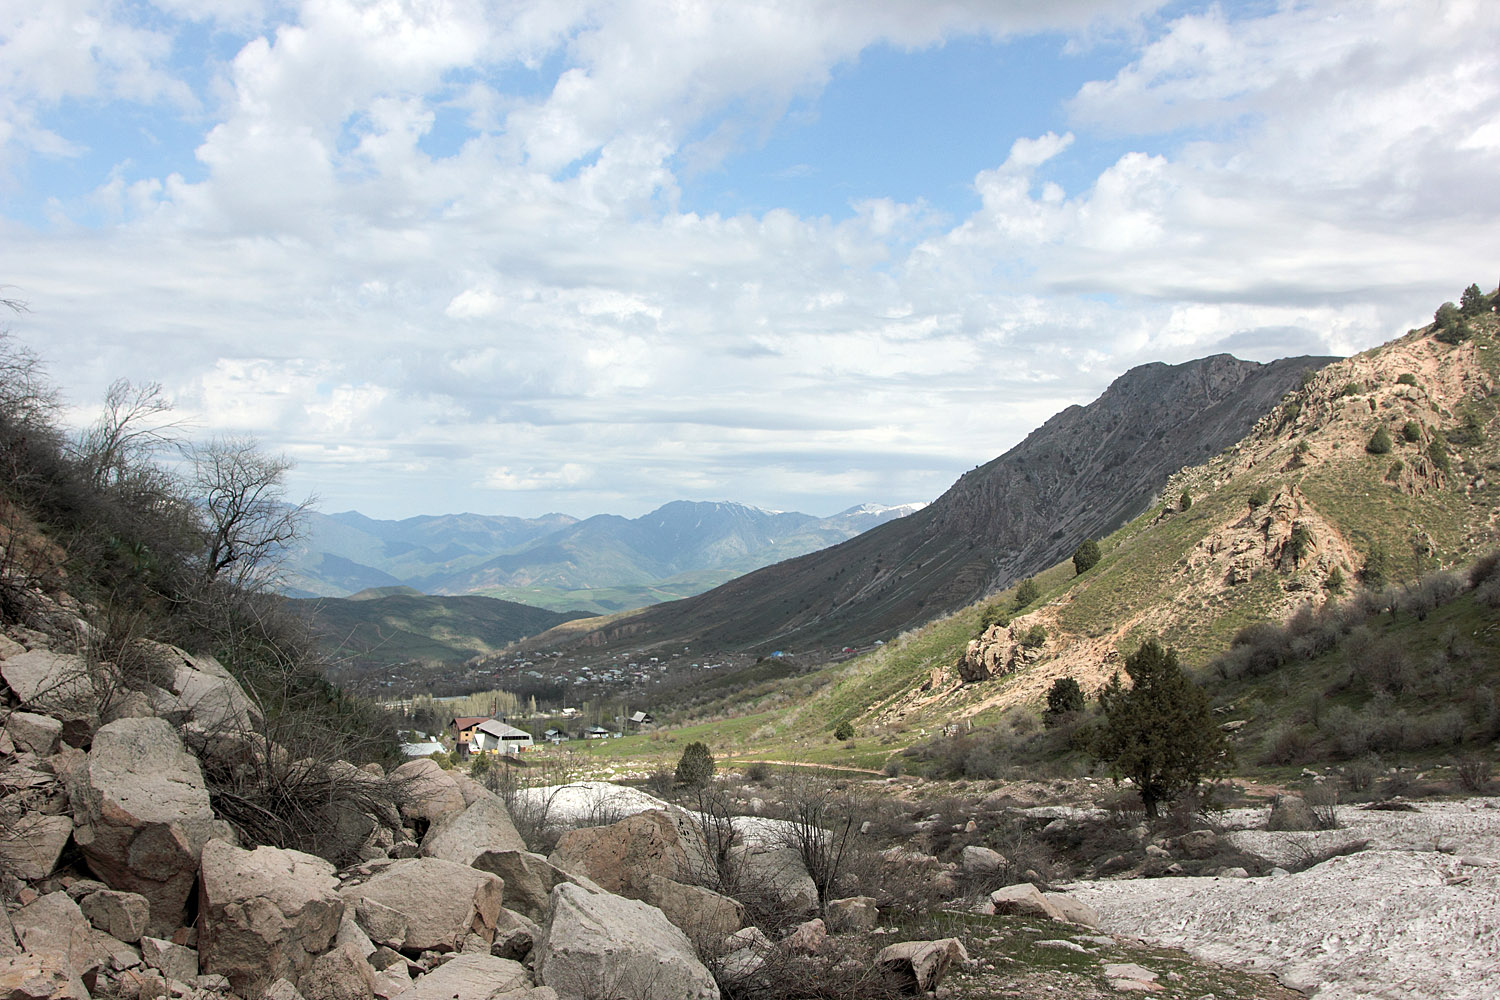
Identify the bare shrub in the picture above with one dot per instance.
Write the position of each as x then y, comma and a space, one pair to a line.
843, 969
1322, 801
1473, 774
820, 819
528, 791
1359, 775
1306, 854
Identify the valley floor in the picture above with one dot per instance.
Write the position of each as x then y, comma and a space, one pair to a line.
1416, 916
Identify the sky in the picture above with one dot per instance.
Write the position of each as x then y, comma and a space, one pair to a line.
588, 257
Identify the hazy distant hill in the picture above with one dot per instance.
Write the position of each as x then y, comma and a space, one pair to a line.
681, 548
1082, 474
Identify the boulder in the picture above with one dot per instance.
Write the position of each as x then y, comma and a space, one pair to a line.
174, 961
463, 836
529, 879
1291, 812
1023, 900
280, 989
339, 974
32, 845
1198, 844
111, 953
807, 937
977, 860
599, 943
620, 857
745, 952
1074, 911
515, 936
917, 967
264, 914
38, 734
38, 977
52, 682
702, 914
143, 815
782, 874
207, 692
421, 904
853, 915
53, 927
425, 791
473, 977
122, 915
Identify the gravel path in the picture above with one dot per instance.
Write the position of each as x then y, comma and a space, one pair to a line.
1415, 917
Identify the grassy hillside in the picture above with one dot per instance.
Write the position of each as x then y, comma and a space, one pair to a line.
1296, 514
607, 600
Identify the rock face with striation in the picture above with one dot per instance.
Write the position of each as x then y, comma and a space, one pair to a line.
426, 904
142, 814
1083, 473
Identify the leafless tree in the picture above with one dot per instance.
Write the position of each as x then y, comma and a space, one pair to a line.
130, 429
245, 503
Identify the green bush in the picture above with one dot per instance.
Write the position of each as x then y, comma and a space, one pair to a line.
1034, 637
1027, 592
1260, 497
1472, 302
695, 768
1447, 316
1380, 442
843, 731
1351, 389
1411, 431
1334, 583
1407, 378
1086, 556
1185, 501
1438, 452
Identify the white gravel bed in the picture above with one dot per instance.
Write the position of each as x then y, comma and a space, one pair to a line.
1416, 917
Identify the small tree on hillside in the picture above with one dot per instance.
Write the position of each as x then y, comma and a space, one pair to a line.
843, 731
1086, 556
695, 768
1380, 442
1064, 698
1027, 592
1185, 501
1472, 302
1159, 732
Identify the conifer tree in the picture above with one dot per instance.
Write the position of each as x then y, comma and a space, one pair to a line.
695, 768
1159, 732
1086, 556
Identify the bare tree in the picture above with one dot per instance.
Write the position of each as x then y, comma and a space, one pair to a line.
127, 433
244, 499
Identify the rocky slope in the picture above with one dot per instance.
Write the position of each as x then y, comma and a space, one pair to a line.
1080, 475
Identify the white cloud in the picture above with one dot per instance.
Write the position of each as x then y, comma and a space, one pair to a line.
532, 310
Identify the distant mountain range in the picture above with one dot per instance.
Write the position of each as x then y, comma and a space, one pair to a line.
601, 564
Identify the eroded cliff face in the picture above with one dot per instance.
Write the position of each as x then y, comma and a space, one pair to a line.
1083, 473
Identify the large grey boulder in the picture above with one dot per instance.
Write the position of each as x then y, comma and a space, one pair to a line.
1074, 911
38, 977
1023, 900
852, 915
621, 857
207, 692
781, 873
976, 860
604, 945
702, 914
917, 967
483, 826
52, 682
1291, 812
37, 734
264, 914
426, 792
421, 904
529, 879
142, 815
474, 977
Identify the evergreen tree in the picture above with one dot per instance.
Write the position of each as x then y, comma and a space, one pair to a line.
1472, 302
1086, 556
1027, 592
1063, 698
1185, 501
1159, 732
1380, 442
843, 731
695, 768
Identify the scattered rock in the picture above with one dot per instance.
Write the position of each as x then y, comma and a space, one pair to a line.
1072, 910
852, 915
31, 847
529, 879
474, 977
806, 938
980, 860
53, 927
1198, 844
339, 974
620, 857
426, 904
1290, 812
38, 734
464, 836
1023, 900
173, 960
426, 792
35, 977
702, 914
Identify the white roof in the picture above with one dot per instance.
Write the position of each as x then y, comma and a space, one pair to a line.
421, 749
500, 730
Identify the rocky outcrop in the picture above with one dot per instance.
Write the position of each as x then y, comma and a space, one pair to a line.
421, 904
702, 914
611, 946
476, 977
529, 880
142, 814
426, 792
121, 915
264, 913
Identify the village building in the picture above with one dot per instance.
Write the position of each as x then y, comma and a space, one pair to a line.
494, 736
